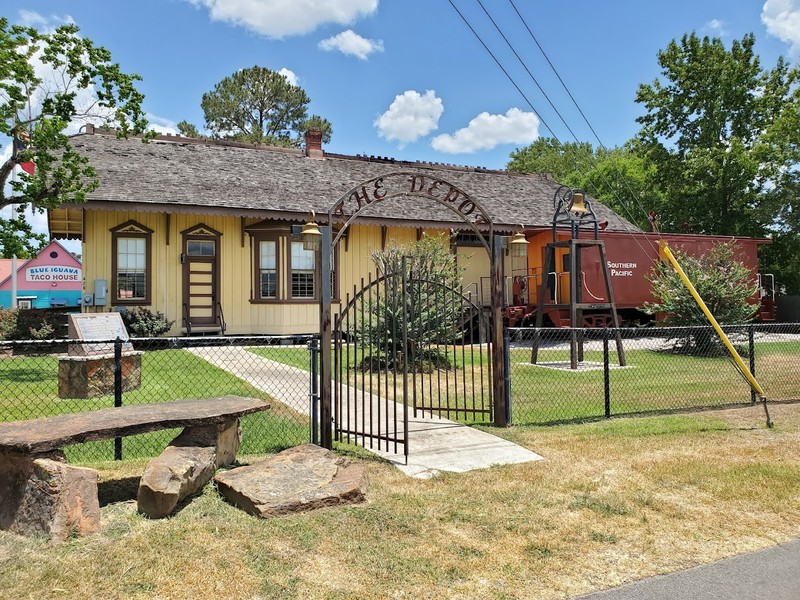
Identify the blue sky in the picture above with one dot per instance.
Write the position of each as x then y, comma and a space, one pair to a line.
409, 79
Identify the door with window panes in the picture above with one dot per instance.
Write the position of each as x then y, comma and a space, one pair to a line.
200, 258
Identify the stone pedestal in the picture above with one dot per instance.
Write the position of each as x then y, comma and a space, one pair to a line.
45, 496
186, 466
93, 376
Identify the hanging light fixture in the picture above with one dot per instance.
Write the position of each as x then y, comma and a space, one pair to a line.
518, 245
311, 235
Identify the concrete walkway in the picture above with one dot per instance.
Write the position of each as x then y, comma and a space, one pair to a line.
435, 444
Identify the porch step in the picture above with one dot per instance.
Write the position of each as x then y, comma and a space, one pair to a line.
200, 331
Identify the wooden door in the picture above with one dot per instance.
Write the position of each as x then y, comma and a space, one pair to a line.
200, 258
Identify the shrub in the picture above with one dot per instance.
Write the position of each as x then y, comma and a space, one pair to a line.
45, 331
726, 286
32, 323
8, 323
432, 310
142, 322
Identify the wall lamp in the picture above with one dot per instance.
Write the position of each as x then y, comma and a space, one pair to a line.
311, 235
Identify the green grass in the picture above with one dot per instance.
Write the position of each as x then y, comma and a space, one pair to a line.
30, 390
612, 502
652, 381
294, 356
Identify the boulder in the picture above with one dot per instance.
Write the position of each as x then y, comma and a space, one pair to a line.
175, 474
224, 438
46, 496
299, 479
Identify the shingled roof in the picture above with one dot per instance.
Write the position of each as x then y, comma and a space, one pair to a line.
173, 174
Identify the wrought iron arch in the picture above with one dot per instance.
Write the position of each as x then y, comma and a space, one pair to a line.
418, 186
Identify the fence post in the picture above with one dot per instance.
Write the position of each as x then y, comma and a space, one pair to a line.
606, 375
507, 362
751, 350
118, 391
314, 389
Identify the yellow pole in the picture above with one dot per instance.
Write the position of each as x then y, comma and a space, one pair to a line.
743, 368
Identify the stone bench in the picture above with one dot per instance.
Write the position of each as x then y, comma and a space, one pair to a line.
40, 494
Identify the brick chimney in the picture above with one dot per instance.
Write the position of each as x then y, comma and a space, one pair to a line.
314, 144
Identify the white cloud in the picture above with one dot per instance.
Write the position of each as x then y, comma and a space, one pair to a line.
782, 19
291, 77
30, 18
410, 116
486, 131
282, 18
717, 27
349, 42
161, 125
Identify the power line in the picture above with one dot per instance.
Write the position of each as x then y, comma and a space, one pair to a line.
577, 106
522, 62
511, 79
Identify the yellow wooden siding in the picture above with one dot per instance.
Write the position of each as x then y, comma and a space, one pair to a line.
236, 268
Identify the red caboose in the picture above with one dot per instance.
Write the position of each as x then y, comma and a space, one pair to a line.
630, 258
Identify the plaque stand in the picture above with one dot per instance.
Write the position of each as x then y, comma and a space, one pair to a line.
87, 371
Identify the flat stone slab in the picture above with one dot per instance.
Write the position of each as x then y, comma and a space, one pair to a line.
51, 433
299, 479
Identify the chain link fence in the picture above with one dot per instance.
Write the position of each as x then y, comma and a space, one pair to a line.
555, 375
562, 375
44, 378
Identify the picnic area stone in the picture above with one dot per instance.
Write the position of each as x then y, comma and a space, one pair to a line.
186, 466
175, 474
299, 479
51, 433
224, 438
46, 496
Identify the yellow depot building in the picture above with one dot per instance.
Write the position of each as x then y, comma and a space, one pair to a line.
208, 232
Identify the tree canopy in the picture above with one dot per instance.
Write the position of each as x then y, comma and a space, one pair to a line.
715, 130
261, 106
81, 85
718, 151
618, 177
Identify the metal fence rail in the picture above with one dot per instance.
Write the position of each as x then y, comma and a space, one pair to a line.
43, 378
665, 369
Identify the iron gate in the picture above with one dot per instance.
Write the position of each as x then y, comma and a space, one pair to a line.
403, 342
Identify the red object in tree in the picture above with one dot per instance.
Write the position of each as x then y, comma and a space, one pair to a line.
21, 143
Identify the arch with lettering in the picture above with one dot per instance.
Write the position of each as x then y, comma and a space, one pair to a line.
404, 184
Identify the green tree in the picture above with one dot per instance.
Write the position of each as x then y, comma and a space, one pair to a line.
711, 130
431, 312
618, 177
260, 106
726, 286
566, 162
39, 112
186, 129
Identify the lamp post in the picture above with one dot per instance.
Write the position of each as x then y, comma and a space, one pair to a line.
318, 239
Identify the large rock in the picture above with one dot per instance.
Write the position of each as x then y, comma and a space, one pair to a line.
47, 497
225, 438
186, 466
172, 476
298, 479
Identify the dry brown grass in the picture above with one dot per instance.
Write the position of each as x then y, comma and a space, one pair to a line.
613, 502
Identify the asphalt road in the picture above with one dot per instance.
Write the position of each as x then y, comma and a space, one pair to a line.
771, 574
